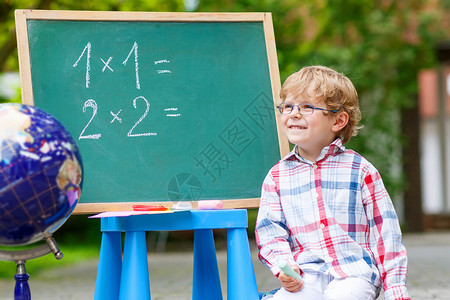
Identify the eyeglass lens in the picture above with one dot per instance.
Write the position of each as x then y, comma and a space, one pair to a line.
304, 109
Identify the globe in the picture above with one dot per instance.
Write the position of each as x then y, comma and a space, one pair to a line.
40, 174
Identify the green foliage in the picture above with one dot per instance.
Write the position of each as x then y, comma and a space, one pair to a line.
73, 253
119, 5
78, 239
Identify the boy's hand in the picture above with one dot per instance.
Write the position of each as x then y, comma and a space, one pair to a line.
289, 283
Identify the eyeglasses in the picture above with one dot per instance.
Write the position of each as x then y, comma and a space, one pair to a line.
303, 108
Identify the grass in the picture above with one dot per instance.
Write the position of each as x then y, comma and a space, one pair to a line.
72, 254
78, 239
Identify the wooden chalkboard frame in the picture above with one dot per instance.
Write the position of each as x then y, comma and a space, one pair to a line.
21, 17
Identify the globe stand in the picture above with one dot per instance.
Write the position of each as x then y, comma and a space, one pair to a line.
22, 289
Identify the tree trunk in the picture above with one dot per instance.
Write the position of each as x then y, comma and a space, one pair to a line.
411, 168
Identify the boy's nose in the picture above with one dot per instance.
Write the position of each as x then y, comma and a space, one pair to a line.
295, 113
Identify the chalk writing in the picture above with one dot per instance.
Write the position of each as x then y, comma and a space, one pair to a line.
130, 134
88, 64
161, 61
107, 64
116, 117
92, 104
170, 110
134, 50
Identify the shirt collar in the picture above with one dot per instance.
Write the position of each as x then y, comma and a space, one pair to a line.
334, 148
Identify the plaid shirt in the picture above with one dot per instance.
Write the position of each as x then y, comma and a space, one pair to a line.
334, 216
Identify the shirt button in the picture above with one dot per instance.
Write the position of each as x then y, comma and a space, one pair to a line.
322, 226
314, 166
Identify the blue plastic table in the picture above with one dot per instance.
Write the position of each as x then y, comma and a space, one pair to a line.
127, 278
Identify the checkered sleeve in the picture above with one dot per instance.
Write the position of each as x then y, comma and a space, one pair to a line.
385, 236
272, 234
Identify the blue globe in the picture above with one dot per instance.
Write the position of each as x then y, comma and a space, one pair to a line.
40, 174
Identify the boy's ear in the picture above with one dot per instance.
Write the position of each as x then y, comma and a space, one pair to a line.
340, 121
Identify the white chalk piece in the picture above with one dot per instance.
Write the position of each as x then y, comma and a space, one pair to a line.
182, 206
287, 269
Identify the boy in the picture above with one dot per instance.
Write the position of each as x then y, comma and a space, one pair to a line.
324, 208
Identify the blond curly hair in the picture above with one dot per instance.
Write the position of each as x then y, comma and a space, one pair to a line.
321, 83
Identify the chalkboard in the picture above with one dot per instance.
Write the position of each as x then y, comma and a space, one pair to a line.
165, 107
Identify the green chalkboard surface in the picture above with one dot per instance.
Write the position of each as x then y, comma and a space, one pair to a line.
163, 110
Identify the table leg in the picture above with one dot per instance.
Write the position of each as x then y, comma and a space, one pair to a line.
135, 283
241, 281
206, 279
109, 267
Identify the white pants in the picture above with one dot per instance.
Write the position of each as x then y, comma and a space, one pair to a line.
323, 287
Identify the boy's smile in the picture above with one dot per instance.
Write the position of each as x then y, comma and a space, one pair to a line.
297, 127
